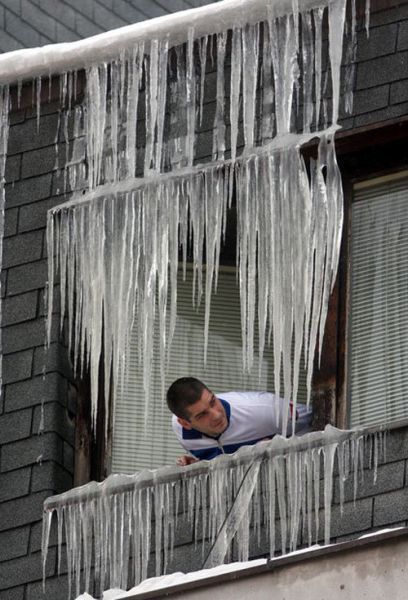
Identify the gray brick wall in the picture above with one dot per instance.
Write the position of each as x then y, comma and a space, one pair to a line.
30, 23
381, 77
32, 467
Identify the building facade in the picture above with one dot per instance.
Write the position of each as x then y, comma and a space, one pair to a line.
39, 389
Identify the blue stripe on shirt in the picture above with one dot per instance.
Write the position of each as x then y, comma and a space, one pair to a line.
210, 453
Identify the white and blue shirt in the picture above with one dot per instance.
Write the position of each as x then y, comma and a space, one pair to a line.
252, 417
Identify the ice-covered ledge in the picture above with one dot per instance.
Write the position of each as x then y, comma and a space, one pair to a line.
245, 456
183, 174
274, 484
214, 18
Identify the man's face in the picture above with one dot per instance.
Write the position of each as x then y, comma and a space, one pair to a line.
206, 415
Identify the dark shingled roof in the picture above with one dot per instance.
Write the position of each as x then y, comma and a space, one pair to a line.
32, 23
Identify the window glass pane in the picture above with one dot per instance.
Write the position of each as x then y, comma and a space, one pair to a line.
140, 442
378, 325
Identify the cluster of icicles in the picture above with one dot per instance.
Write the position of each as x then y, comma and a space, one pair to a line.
288, 233
281, 489
116, 249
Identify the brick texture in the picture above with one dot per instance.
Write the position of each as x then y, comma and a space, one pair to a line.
32, 466
14, 484
391, 507
15, 426
19, 308
17, 366
14, 543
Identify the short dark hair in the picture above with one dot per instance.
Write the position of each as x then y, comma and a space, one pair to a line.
183, 393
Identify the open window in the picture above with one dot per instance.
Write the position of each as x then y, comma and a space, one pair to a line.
146, 440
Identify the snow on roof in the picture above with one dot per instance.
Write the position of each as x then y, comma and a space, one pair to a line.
166, 582
213, 18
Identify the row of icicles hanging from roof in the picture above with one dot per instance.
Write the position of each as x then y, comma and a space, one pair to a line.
255, 94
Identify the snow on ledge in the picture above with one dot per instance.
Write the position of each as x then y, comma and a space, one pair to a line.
166, 582
30, 63
173, 579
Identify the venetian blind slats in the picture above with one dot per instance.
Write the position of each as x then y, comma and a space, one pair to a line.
148, 443
378, 326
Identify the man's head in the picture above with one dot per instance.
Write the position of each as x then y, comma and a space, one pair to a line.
196, 407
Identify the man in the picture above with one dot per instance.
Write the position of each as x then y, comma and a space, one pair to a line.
207, 425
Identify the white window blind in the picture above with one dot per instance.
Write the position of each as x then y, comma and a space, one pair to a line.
378, 325
140, 443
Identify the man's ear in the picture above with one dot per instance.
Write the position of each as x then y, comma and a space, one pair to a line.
184, 423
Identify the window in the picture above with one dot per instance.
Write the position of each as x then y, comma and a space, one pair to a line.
147, 442
378, 310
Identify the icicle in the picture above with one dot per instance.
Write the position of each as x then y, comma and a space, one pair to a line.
19, 90
97, 81
236, 66
38, 111
342, 476
190, 98
214, 203
307, 70
268, 116
219, 120
355, 456
316, 453
350, 61
284, 44
309, 495
375, 457
367, 17
203, 44
114, 118
155, 104
317, 20
250, 55
4, 134
293, 483
45, 542
337, 14
233, 519
134, 76
329, 454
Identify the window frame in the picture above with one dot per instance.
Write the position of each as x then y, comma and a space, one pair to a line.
359, 159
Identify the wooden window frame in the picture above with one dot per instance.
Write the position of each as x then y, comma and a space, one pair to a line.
363, 154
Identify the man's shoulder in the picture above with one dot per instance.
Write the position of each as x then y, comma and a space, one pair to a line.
253, 416
177, 428
248, 398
